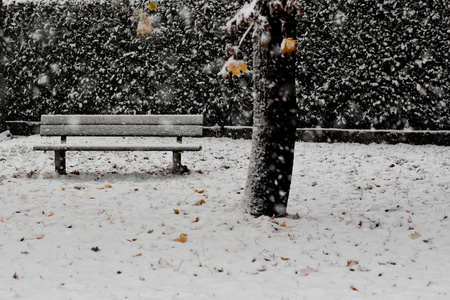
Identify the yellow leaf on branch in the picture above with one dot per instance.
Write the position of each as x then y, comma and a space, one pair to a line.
144, 26
288, 46
237, 67
152, 6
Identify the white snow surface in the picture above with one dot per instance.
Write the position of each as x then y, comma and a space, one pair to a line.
373, 224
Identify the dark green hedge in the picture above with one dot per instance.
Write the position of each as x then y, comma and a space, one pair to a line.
361, 64
375, 63
88, 58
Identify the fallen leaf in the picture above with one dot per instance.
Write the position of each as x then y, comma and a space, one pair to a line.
351, 262
107, 186
51, 214
150, 231
95, 249
308, 270
136, 255
288, 46
353, 288
40, 237
284, 258
92, 198
283, 224
182, 238
200, 191
415, 235
201, 202
176, 211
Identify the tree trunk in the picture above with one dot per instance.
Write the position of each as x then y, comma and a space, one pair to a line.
274, 121
2, 79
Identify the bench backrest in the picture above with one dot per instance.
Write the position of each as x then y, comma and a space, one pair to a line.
122, 125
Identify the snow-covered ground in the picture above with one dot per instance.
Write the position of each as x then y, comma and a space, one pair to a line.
373, 224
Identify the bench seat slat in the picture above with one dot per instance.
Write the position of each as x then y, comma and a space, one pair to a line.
122, 130
122, 120
92, 147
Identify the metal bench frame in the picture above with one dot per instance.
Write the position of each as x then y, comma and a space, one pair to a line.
178, 126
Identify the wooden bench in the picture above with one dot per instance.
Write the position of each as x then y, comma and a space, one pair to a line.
178, 126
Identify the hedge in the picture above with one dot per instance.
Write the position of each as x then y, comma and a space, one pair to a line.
361, 64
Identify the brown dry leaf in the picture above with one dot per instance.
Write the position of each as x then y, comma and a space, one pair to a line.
288, 46
200, 191
283, 224
40, 237
144, 26
182, 238
176, 211
107, 186
308, 270
284, 258
136, 255
353, 288
351, 262
237, 67
201, 202
63, 189
51, 214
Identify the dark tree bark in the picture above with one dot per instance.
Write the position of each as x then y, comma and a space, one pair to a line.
2, 79
274, 125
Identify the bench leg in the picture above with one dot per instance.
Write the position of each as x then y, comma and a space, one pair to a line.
60, 162
176, 168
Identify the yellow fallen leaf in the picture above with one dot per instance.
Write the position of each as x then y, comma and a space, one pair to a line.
284, 258
51, 214
415, 235
92, 198
107, 186
182, 238
200, 191
63, 189
136, 255
176, 211
283, 224
288, 46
